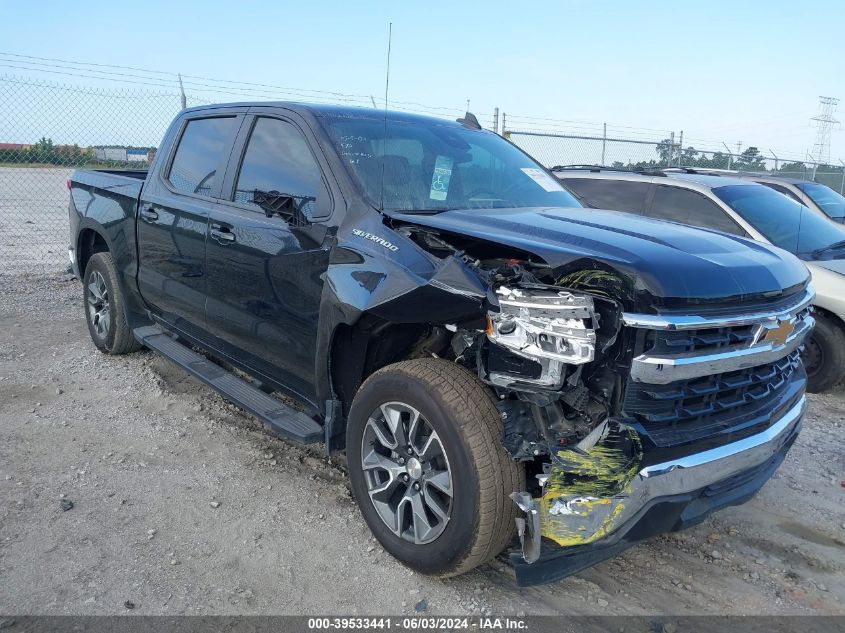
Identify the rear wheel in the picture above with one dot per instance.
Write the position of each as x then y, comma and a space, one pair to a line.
824, 354
428, 469
104, 307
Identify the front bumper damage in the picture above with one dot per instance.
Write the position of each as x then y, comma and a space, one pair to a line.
599, 502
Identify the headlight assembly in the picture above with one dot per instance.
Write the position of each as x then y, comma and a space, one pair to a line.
551, 327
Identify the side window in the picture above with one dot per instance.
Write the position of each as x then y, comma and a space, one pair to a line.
783, 190
616, 195
280, 174
690, 207
194, 167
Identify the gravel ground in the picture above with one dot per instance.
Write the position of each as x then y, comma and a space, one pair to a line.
182, 504
34, 218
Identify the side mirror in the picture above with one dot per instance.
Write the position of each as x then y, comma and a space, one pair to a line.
295, 210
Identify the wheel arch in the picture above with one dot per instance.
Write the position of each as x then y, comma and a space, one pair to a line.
88, 242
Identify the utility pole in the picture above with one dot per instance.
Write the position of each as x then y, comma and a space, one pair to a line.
777, 160
504, 131
681, 149
671, 149
496, 120
730, 156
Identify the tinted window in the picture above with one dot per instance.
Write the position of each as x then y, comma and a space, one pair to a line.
278, 164
828, 200
784, 222
194, 168
690, 207
620, 195
783, 190
428, 165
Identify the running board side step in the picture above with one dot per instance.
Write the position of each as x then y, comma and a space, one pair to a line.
284, 420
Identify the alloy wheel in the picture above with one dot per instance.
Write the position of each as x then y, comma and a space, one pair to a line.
407, 473
99, 312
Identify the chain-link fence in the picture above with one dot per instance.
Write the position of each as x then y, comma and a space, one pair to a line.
48, 129
553, 149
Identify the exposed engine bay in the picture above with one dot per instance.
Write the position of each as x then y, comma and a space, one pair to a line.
550, 348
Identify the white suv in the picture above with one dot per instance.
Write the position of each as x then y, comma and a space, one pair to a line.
741, 207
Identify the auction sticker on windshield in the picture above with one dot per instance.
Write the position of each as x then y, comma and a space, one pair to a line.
542, 178
440, 178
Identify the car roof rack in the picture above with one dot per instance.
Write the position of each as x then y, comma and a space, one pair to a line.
581, 167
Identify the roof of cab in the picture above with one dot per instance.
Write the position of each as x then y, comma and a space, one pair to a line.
325, 109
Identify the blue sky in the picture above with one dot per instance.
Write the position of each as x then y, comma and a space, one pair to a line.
721, 71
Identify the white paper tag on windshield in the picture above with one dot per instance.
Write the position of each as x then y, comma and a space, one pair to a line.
542, 178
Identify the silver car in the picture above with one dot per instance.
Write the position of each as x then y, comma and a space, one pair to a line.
741, 207
817, 197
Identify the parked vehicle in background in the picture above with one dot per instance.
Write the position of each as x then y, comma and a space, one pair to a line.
814, 195
435, 302
744, 208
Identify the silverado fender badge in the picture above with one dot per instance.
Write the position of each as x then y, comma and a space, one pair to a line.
375, 238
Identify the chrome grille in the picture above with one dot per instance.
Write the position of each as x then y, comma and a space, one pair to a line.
694, 377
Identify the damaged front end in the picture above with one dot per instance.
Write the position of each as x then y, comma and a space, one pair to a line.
558, 410
553, 354
627, 424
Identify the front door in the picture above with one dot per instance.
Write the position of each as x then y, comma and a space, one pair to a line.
267, 252
173, 219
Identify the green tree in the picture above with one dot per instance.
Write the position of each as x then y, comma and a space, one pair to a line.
690, 157
751, 159
44, 151
665, 150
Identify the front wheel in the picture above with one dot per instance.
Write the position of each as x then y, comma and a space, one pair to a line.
824, 354
428, 469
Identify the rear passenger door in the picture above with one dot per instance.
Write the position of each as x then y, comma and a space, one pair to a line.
173, 216
268, 250
691, 207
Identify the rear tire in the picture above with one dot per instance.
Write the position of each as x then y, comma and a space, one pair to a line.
473, 523
105, 307
824, 354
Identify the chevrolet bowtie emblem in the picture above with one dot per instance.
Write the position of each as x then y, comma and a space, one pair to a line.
775, 334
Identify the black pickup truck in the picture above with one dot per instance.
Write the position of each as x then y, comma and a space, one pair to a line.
503, 367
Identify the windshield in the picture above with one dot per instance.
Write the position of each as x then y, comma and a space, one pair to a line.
828, 200
428, 167
784, 222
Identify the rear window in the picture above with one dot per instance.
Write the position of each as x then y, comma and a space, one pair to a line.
199, 154
602, 193
828, 200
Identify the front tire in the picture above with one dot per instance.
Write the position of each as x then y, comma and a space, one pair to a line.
104, 307
428, 469
824, 354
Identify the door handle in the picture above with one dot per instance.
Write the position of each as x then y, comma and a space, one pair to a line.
222, 235
148, 214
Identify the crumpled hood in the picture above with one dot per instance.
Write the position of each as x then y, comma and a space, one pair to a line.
667, 263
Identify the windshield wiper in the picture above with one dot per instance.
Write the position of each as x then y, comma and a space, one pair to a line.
827, 249
422, 211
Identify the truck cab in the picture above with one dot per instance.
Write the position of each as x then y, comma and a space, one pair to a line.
504, 368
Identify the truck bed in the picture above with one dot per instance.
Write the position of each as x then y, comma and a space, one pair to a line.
121, 182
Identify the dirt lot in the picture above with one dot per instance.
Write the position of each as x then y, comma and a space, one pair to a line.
33, 218
142, 451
